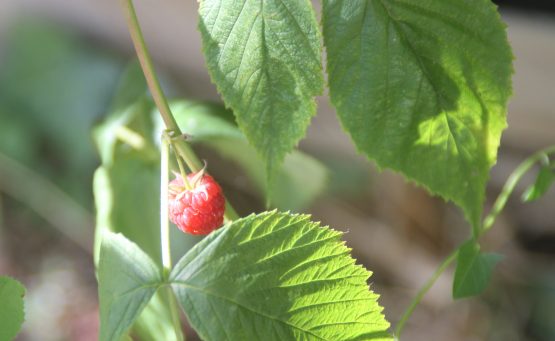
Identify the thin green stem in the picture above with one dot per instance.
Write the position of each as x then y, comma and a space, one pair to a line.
422, 292
183, 173
174, 311
164, 223
510, 185
487, 223
181, 146
147, 65
154, 85
165, 233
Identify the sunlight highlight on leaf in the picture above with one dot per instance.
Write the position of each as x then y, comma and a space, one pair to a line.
422, 88
277, 276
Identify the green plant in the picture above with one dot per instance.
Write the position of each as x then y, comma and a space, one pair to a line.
421, 88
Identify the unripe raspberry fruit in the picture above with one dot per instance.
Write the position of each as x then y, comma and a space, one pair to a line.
199, 210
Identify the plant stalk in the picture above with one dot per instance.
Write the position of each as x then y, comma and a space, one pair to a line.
174, 313
165, 234
510, 186
182, 147
487, 223
164, 223
422, 292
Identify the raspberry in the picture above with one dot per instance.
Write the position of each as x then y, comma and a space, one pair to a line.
199, 210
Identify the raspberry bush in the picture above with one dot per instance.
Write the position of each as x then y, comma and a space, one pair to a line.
422, 89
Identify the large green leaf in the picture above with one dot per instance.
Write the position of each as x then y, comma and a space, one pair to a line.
277, 276
213, 125
473, 271
265, 58
422, 88
127, 279
11, 307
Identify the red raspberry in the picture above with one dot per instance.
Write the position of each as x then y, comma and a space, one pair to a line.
199, 210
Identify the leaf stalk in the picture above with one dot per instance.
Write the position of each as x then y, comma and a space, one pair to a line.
486, 225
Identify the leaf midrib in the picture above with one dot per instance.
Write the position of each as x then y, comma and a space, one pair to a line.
439, 97
146, 287
210, 293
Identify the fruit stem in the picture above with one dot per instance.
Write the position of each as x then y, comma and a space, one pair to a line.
181, 146
183, 173
170, 140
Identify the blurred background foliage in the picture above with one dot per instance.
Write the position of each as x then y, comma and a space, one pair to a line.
59, 103
53, 87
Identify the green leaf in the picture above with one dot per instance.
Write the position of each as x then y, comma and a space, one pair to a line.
265, 58
473, 271
545, 178
422, 88
212, 125
155, 321
11, 307
277, 276
127, 279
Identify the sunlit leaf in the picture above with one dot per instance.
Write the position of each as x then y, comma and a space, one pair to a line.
277, 276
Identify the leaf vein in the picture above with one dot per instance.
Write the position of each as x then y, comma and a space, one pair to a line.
241, 305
